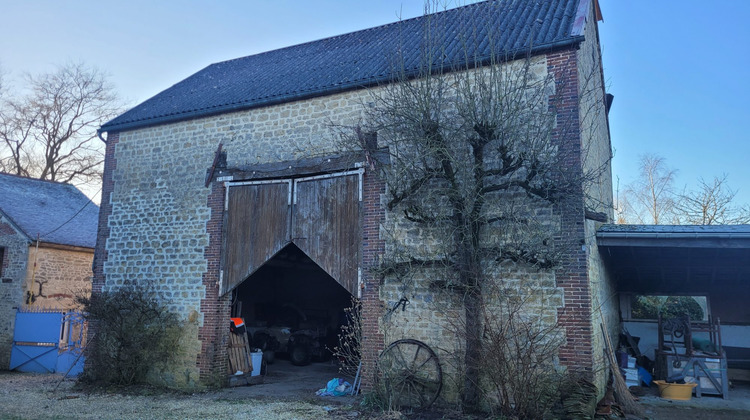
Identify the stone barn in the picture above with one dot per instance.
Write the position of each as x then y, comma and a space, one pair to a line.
230, 193
47, 238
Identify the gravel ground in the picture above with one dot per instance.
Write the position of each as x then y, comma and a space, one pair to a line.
33, 396
37, 396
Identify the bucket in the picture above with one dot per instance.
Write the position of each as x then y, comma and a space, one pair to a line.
682, 392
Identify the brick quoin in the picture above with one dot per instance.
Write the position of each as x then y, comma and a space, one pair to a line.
373, 247
572, 274
214, 333
103, 231
5, 230
105, 211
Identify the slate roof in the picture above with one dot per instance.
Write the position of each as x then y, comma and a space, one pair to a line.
60, 213
363, 58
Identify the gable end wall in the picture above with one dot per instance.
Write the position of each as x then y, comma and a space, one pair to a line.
12, 283
160, 224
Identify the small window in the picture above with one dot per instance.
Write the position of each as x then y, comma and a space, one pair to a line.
648, 307
2, 261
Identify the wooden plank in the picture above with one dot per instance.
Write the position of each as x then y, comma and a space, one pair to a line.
238, 350
301, 167
326, 225
256, 228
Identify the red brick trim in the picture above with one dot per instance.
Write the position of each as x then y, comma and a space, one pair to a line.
5, 230
572, 275
373, 247
214, 333
105, 210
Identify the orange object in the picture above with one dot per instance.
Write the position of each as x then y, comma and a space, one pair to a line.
682, 392
238, 322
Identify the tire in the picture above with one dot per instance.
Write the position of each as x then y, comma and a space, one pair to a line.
269, 356
300, 354
261, 340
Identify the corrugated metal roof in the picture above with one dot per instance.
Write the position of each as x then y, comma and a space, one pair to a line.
624, 230
360, 59
674, 236
60, 213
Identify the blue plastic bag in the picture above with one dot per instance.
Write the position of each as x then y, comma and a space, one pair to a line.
335, 388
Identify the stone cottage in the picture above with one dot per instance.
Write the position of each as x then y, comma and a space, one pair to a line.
230, 187
47, 238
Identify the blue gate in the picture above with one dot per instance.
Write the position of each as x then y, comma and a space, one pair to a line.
70, 358
47, 342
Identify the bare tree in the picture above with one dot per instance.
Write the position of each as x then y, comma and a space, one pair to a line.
711, 204
475, 165
50, 132
651, 197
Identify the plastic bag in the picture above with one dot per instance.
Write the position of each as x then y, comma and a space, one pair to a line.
335, 388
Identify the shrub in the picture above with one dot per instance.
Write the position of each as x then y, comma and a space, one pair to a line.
349, 349
134, 334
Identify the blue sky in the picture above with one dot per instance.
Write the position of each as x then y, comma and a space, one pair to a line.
678, 69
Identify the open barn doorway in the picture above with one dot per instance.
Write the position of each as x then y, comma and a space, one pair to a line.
293, 311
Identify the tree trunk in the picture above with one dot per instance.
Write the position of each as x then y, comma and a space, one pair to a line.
473, 355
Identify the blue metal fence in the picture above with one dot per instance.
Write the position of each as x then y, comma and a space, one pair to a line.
47, 342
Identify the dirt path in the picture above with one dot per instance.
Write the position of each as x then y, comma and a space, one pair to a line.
33, 396
737, 406
36, 396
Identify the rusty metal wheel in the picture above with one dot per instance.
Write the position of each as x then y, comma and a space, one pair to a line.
410, 375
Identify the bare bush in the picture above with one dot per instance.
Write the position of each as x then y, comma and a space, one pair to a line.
349, 350
135, 335
519, 361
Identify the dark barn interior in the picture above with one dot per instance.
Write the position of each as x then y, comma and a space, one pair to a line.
291, 296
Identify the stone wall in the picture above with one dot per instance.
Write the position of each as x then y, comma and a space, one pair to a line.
605, 307
160, 224
597, 154
595, 140
15, 248
157, 215
60, 274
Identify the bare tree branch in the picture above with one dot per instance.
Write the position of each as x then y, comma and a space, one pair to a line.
652, 196
711, 204
50, 133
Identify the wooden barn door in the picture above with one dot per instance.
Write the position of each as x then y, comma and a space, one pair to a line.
326, 224
256, 227
320, 214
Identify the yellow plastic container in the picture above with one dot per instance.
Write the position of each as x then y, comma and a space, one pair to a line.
682, 392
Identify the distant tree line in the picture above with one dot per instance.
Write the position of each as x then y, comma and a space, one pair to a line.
653, 199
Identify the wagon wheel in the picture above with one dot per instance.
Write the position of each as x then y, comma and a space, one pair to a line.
410, 374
